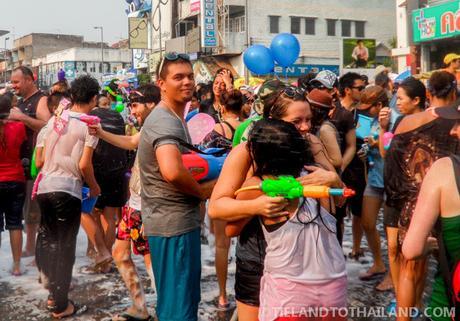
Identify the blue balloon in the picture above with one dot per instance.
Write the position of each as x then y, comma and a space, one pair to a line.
285, 49
259, 60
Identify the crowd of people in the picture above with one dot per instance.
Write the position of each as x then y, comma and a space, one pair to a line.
395, 144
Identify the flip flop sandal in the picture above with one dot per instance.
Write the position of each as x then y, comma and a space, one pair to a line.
78, 309
127, 317
367, 276
50, 304
356, 256
98, 266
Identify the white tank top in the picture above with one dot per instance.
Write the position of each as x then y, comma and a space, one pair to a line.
308, 253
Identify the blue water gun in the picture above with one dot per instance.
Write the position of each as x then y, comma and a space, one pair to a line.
205, 166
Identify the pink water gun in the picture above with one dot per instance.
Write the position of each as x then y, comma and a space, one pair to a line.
88, 119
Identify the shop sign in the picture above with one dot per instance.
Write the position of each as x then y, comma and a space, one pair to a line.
209, 23
298, 70
437, 22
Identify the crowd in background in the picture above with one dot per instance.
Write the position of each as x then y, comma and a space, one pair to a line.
386, 140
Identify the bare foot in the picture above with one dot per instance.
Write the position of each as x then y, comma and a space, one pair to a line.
386, 284
27, 253
16, 270
372, 273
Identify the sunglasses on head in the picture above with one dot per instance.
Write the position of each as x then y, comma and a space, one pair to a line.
172, 56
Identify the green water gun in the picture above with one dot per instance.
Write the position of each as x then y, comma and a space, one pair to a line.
288, 187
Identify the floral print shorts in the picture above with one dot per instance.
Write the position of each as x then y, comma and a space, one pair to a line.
129, 229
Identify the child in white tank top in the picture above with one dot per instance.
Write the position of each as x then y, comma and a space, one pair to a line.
304, 269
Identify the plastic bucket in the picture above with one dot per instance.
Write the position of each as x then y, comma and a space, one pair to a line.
87, 202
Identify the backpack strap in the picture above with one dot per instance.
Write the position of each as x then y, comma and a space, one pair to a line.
186, 145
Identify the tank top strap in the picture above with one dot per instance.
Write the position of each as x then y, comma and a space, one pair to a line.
456, 163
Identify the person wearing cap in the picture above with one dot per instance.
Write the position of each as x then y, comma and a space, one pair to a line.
452, 64
438, 201
420, 139
373, 99
321, 105
265, 91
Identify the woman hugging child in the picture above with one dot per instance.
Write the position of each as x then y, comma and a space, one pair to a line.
304, 270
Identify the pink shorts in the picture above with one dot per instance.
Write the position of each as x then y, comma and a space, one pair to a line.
129, 229
283, 299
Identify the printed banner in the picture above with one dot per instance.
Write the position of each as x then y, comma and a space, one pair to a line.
436, 22
138, 33
209, 23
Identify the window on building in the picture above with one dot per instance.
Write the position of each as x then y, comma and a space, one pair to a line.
274, 24
359, 29
331, 26
310, 26
237, 24
295, 25
346, 28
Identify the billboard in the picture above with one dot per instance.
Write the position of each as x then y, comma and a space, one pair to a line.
358, 53
138, 33
195, 6
208, 23
436, 22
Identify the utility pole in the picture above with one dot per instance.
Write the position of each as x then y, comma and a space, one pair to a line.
248, 41
6, 61
102, 50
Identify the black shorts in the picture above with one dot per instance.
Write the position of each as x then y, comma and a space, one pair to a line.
390, 216
12, 196
247, 281
114, 189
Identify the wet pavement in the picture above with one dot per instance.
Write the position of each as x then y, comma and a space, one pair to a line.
23, 299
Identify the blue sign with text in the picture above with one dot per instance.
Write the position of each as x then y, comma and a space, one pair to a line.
298, 70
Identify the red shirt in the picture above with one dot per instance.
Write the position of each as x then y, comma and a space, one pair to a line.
11, 170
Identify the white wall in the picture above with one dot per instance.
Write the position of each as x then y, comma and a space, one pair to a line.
321, 48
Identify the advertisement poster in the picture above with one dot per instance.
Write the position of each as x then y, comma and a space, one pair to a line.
358, 53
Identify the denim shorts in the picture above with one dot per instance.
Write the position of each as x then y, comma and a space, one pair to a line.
377, 192
12, 195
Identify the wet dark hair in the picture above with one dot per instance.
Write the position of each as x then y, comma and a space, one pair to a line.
414, 88
204, 90
277, 148
232, 101
83, 89
319, 116
348, 81
150, 94
383, 80
5, 106
441, 84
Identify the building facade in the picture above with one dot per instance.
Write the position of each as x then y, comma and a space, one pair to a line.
427, 30
320, 26
77, 61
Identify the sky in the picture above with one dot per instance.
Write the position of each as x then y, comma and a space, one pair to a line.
77, 17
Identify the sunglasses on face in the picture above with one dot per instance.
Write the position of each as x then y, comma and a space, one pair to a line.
360, 88
172, 56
